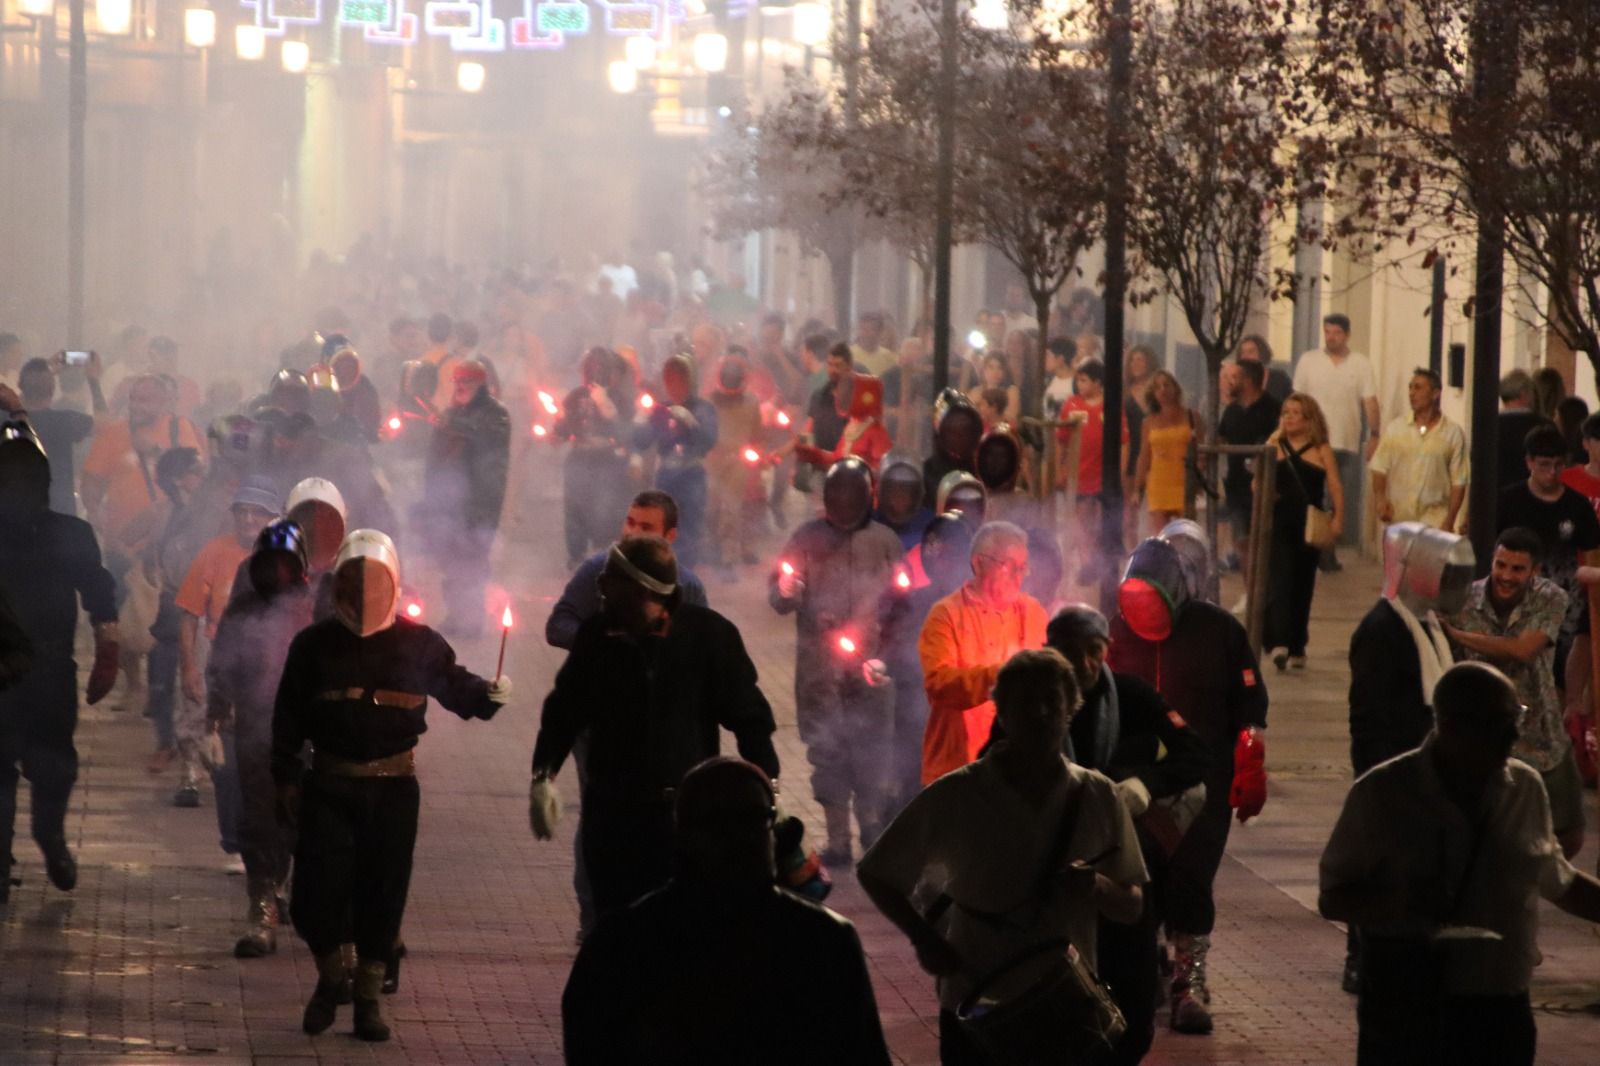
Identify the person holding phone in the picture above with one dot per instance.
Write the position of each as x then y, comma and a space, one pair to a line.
59, 431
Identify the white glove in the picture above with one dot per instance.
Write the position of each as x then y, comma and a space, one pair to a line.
500, 691
1134, 795
544, 808
684, 417
875, 672
791, 586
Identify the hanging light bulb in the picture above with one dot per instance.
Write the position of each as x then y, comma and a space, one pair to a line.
199, 27
640, 52
470, 77
296, 56
36, 8
990, 15
811, 23
114, 16
711, 52
249, 42
623, 76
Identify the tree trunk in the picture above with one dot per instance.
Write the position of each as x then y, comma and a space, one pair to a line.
1032, 384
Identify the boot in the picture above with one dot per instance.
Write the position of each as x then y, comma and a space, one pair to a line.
837, 851
333, 983
262, 939
368, 984
59, 864
1191, 999
188, 794
347, 955
391, 972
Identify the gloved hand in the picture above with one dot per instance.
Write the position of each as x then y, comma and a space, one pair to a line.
1249, 792
1134, 795
288, 805
544, 808
107, 657
875, 672
500, 690
685, 418
791, 586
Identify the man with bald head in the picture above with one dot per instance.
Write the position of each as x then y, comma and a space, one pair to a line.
1438, 858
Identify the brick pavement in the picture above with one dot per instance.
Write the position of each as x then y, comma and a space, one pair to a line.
136, 965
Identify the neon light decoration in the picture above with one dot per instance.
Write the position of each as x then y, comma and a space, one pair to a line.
471, 25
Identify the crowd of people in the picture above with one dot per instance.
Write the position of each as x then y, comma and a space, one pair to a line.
1018, 769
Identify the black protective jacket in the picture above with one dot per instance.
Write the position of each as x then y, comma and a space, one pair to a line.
1388, 716
365, 698
706, 976
1150, 740
47, 563
652, 708
16, 650
468, 461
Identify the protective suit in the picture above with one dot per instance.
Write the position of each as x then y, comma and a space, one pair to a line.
355, 687
836, 575
901, 505
594, 473
957, 429
1198, 657
735, 482
464, 490
316, 508
271, 605
48, 562
681, 435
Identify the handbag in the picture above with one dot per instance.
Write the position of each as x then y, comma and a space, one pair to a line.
1064, 1015
1318, 532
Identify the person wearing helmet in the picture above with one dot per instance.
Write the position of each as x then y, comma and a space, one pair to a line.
267, 609
1398, 653
681, 432
860, 400
836, 575
941, 565
957, 428
734, 481
594, 472
359, 405
316, 507
1000, 469
297, 449
464, 492
650, 683
49, 562
901, 505
356, 688
965, 495
1198, 656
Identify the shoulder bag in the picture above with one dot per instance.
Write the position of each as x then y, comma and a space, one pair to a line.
1319, 523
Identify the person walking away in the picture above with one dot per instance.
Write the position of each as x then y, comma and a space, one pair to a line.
49, 563
720, 932
356, 688
266, 611
1438, 858
1026, 847
465, 492
1344, 386
1398, 653
1163, 471
60, 431
1419, 472
651, 681
1305, 461
834, 575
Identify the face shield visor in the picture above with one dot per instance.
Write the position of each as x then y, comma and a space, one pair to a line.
899, 489
317, 507
847, 494
366, 585
1152, 594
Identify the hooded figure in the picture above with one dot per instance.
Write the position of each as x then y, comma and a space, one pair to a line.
48, 562
594, 472
964, 494
1198, 657
901, 505
735, 482
860, 399
681, 430
836, 575
1000, 469
957, 428
268, 607
356, 688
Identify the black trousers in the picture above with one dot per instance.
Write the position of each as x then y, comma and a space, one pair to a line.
1454, 1031
1291, 584
627, 849
352, 861
1185, 901
265, 843
594, 483
38, 717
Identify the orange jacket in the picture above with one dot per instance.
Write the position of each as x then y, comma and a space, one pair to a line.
964, 643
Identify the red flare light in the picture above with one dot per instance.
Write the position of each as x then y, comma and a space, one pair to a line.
787, 568
548, 402
646, 401
539, 431
902, 580
394, 423
414, 611
752, 456
783, 419
847, 645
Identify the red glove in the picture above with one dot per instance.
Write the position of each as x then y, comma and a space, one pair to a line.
107, 659
1249, 792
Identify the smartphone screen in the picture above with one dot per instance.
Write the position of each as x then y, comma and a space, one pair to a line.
77, 358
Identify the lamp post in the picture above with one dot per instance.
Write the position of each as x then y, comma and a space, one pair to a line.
1119, 85
77, 115
944, 193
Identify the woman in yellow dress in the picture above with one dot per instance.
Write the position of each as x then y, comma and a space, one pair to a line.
1164, 450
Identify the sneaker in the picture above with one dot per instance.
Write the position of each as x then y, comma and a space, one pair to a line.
233, 866
188, 795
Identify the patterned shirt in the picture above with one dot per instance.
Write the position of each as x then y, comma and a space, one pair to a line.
1543, 743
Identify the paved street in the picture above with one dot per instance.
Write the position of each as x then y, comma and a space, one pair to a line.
136, 965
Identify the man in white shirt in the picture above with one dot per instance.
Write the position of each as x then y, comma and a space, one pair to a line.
1439, 858
1344, 386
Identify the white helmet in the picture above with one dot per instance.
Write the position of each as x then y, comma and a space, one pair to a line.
317, 507
366, 577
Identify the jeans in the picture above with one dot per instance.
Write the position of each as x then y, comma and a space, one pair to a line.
225, 786
1353, 477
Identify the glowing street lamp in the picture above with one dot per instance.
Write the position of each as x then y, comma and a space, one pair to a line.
114, 16
199, 27
470, 77
711, 52
250, 42
296, 56
640, 52
36, 8
623, 76
811, 23
990, 15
